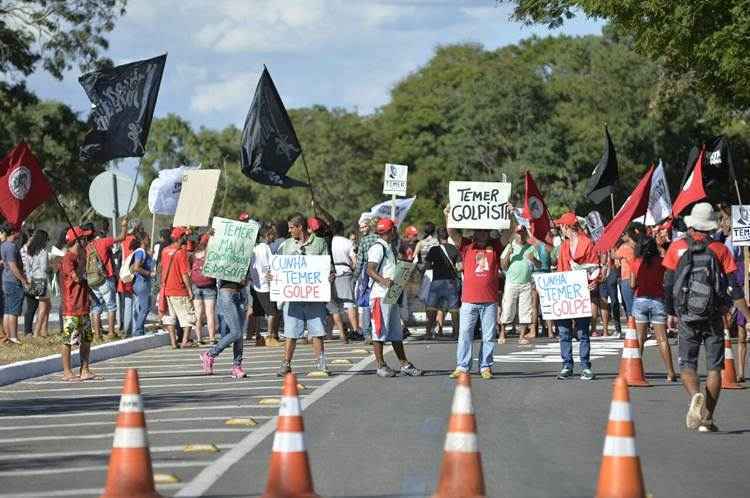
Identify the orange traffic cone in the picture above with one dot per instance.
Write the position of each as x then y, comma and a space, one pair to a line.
620, 475
729, 374
289, 471
461, 472
631, 322
130, 474
631, 365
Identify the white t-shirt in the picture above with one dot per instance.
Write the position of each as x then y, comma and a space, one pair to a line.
341, 249
387, 269
260, 265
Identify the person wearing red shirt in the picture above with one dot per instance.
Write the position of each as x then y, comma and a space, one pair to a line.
701, 223
104, 296
76, 327
177, 287
481, 265
576, 252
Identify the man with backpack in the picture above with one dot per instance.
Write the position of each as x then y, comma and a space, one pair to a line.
100, 276
700, 286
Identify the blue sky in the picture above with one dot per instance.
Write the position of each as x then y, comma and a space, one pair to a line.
338, 53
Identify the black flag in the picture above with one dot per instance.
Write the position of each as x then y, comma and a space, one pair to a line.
718, 167
269, 144
123, 100
605, 177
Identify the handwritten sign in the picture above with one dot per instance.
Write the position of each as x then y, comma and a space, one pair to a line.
394, 179
479, 205
230, 249
741, 225
196, 198
404, 271
300, 279
564, 295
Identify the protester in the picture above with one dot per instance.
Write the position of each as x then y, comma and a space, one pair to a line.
647, 282
100, 275
699, 285
624, 256
341, 251
576, 252
204, 294
14, 281
36, 264
740, 322
282, 233
143, 270
479, 298
544, 257
368, 237
125, 296
260, 287
445, 288
518, 260
177, 287
386, 322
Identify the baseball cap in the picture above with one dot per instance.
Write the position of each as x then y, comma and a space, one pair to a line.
314, 223
73, 233
385, 225
178, 233
244, 216
411, 231
568, 219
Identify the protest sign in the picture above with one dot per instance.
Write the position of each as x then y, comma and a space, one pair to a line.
300, 279
394, 179
230, 249
479, 205
196, 198
383, 210
596, 225
404, 271
741, 225
564, 295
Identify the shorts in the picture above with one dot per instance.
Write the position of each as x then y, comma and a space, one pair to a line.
179, 308
297, 315
14, 296
649, 310
517, 304
444, 295
691, 335
386, 322
104, 298
262, 304
344, 285
204, 293
77, 330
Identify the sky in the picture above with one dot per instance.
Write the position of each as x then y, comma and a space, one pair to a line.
336, 53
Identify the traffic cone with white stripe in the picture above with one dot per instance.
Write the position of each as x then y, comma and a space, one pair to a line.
461, 472
631, 364
729, 374
130, 474
289, 470
620, 475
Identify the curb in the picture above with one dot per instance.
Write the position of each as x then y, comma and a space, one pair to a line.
50, 364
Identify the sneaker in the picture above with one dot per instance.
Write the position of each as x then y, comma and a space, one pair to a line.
368, 341
207, 362
587, 374
708, 426
456, 373
486, 373
565, 373
695, 411
322, 367
238, 372
284, 369
385, 371
410, 370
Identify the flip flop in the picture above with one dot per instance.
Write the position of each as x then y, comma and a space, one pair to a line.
70, 379
91, 376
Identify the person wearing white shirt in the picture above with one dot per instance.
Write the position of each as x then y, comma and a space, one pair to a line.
342, 249
260, 289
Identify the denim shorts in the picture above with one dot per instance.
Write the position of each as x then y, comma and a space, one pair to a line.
443, 294
14, 296
204, 293
649, 310
297, 314
104, 298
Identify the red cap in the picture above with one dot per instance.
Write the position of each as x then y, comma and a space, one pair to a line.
244, 216
77, 232
411, 231
178, 233
315, 224
385, 225
568, 219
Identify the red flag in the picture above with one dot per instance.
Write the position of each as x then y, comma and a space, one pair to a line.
535, 210
693, 190
636, 205
23, 185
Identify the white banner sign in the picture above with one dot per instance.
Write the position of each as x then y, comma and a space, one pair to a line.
196, 198
383, 210
564, 295
479, 205
164, 191
394, 179
741, 225
300, 279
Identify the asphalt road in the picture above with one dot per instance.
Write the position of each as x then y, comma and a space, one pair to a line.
366, 436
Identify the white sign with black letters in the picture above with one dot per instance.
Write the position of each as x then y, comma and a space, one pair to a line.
479, 205
741, 225
394, 179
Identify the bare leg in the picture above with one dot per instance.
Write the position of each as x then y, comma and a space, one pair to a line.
273, 326
640, 329
741, 353
198, 306
65, 353
11, 326
664, 350
353, 318
289, 346
111, 320
318, 346
690, 381
550, 329
431, 319
172, 335
534, 312
713, 389
605, 318
96, 325
84, 350
210, 306
42, 318
594, 315
398, 348
339, 324
377, 348
454, 323
440, 319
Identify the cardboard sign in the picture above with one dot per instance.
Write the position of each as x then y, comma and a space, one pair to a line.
596, 225
230, 249
196, 198
404, 271
741, 225
479, 205
394, 179
300, 279
564, 295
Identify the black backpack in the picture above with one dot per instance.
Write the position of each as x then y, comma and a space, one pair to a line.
700, 287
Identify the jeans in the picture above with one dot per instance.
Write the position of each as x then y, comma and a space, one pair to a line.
364, 321
610, 285
627, 296
127, 307
232, 312
143, 303
582, 329
32, 305
486, 313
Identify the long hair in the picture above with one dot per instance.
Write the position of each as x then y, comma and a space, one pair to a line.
37, 242
647, 249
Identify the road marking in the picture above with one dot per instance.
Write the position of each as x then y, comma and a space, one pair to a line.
550, 352
111, 434
114, 411
154, 396
222, 359
208, 476
105, 452
96, 468
74, 492
111, 422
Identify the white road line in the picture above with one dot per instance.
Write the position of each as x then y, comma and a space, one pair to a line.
95, 468
105, 452
144, 377
110, 434
251, 366
113, 411
224, 358
74, 492
111, 422
208, 476
250, 351
238, 387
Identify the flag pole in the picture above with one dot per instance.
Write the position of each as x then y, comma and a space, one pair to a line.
309, 182
612, 203
65, 214
153, 230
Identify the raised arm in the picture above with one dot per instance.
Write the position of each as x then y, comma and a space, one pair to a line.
454, 234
